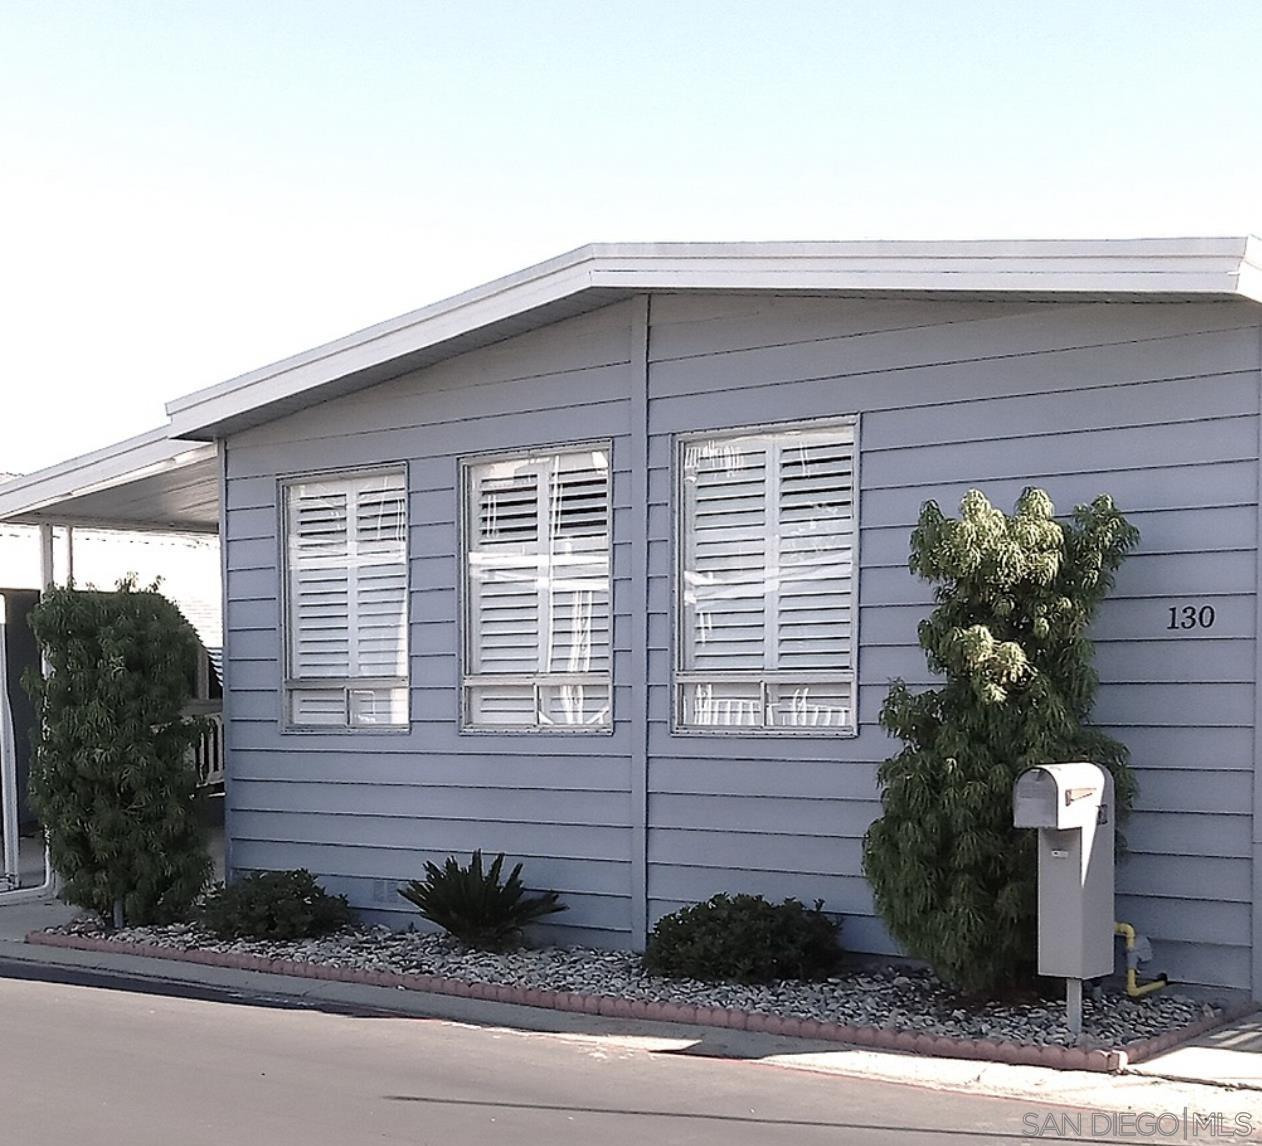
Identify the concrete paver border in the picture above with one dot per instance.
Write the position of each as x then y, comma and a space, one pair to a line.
1061, 1058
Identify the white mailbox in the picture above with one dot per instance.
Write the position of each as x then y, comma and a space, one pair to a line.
1058, 796
1071, 805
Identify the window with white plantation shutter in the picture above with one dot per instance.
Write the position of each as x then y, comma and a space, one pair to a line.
537, 617
346, 595
767, 594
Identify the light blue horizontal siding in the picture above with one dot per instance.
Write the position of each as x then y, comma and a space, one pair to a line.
1171, 877
537, 764
398, 865
720, 326
983, 419
479, 435
1058, 347
573, 841
749, 850
1157, 405
426, 801
395, 406
426, 736
366, 811
691, 326
743, 772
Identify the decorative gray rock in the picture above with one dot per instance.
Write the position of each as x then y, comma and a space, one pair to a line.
892, 1000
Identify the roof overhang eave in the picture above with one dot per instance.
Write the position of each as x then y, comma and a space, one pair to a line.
593, 276
161, 480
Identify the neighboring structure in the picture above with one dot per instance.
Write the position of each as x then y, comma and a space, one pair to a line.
604, 564
187, 565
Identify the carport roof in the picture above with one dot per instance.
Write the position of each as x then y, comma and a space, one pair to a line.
149, 482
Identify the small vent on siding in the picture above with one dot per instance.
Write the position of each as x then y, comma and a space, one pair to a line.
380, 891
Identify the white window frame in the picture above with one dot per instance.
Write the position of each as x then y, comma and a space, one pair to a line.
349, 685
682, 676
536, 680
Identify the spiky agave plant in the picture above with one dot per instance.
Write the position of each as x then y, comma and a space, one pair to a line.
476, 906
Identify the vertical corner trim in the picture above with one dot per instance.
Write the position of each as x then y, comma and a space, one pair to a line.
1256, 906
221, 455
638, 374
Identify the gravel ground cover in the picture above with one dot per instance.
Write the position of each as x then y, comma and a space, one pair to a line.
891, 999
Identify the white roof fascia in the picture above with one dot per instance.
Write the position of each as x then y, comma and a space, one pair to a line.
124, 462
1183, 267
1202, 267
502, 298
1249, 283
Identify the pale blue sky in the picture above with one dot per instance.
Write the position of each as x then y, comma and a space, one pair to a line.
189, 190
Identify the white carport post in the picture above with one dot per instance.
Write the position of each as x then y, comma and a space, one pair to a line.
46, 576
10, 876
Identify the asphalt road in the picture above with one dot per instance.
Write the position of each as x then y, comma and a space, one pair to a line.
101, 1065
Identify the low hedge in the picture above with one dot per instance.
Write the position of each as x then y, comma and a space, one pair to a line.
274, 905
744, 939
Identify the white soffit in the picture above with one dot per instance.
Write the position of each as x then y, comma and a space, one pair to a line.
151, 481
594, 276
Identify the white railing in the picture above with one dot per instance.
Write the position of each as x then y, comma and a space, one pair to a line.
208, 754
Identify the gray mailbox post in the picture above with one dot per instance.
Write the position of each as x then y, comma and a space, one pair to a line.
1072, 807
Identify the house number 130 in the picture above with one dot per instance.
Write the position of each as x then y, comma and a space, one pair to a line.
1190, 617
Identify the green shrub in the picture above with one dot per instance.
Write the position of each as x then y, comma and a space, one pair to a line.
113, 780
745, 939
274, 905
955, 883
474, 906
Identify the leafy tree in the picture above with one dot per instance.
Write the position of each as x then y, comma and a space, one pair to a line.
112, 778
955, 883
